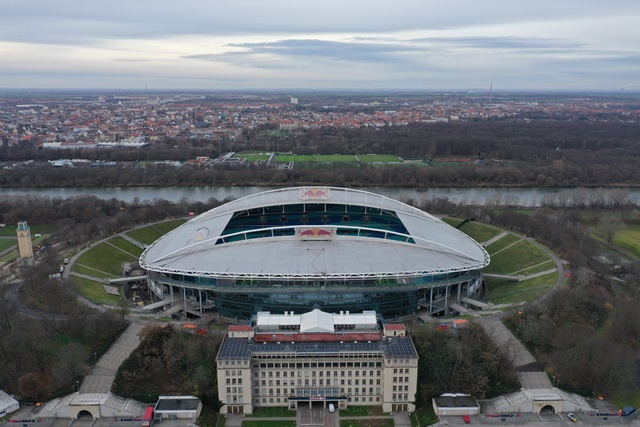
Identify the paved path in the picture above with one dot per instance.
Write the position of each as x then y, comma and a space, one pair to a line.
517, 354
494, 239
130, 239
101, 377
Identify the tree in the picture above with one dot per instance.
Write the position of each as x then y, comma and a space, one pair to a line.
609, 225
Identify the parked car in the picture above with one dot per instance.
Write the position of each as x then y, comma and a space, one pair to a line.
572, 417
627, 411
467, 419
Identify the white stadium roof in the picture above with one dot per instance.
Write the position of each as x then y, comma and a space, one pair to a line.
431, 246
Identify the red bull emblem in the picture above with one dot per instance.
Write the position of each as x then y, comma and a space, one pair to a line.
316, 232
312, 193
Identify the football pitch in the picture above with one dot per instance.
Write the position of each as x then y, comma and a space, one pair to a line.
321, 158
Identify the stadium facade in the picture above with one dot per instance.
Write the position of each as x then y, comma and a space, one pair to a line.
298, 249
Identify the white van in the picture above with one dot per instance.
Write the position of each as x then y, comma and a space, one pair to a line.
332, 407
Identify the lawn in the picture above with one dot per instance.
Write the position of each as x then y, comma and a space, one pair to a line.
7, 243
367, 423
518, 258
499, 291
92, 272
625, 398
10, 230
105, 258
145, 235
628, 238
93, 291
476, 230
269, 423
355, 411
126, 245
500, 244
253, 157
320, 158
378, 158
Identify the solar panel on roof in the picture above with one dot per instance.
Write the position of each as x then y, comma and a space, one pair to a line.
242, 348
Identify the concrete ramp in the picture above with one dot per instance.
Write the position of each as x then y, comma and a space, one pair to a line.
481, 305
460, 309
517, 354
173, 310
425, 318
155, 305
103, 373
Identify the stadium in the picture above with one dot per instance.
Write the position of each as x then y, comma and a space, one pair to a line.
297, 249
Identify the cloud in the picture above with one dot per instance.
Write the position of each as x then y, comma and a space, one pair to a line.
313, 49
357, 42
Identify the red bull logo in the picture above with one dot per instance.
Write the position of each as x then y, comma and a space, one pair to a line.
316, 232
308, 193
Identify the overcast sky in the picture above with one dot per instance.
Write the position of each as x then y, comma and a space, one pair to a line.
272, 44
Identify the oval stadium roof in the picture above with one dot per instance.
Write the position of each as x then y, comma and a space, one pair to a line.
211, 246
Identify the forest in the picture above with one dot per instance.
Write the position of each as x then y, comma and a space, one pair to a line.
48, 340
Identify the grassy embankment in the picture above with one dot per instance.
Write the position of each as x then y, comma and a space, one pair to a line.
512, 255
104, 261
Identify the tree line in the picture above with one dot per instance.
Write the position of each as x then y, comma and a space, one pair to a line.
539, 153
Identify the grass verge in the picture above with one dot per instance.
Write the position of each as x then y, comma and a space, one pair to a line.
93, 291
500, 291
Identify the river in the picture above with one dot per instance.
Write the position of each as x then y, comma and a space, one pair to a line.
526, 197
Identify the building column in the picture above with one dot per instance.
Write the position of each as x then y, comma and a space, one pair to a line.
431, 301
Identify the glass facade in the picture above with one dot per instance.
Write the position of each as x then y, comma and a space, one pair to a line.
388, 296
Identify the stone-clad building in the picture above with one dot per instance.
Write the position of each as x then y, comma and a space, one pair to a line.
317, 358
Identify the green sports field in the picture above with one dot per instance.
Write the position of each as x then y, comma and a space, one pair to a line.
320, 158
253, 157
378, 158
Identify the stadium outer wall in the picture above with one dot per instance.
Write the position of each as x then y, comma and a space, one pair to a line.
391, 294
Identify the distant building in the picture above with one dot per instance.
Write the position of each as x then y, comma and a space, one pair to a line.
294, 101
316, 359
24, 240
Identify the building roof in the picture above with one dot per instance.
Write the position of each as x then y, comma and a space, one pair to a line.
177, 403
316, 321
200, 247
318, 337
452, 400
6, 400
242, 348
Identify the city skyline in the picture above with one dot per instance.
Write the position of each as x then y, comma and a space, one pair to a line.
561, 45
